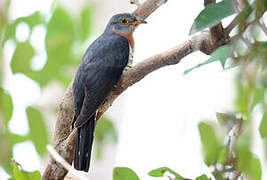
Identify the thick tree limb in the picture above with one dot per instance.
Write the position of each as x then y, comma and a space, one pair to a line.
64, 139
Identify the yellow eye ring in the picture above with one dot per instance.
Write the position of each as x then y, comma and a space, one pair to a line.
124, 21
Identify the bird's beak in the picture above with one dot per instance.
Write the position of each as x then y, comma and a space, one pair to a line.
138, 21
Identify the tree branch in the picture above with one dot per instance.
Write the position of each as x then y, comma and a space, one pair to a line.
232, 25
263, 27
136, 2
64, 139
216, 31
66, 165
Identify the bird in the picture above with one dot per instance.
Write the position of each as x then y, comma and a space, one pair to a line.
100, 69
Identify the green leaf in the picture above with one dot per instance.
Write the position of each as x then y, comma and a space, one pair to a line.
244, 92
210, 60
212, 15
38, 131
222, 155
21, 60
255, 169
259, 51
10, 32
5, 153
23, 175
243, 152
15, 138
85, 23
123, 173
210, 143
159, 172
32, 20
221, 54
6, 106
249, 164
265, 3
263, 126
202, 177
258, 96
60, 38
104, 129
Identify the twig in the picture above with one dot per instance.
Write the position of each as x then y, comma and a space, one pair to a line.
263, 27
216, 32
136, 2
65, 164
231, 26
245, 40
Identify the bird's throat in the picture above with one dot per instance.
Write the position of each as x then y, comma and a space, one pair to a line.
130, 39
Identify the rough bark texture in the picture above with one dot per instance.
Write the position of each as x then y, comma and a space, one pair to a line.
64, 139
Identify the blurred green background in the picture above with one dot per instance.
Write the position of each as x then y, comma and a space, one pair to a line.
67, 36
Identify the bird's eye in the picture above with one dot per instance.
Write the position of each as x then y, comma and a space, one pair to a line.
124, 21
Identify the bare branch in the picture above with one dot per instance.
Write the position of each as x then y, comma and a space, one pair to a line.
231, 26
136, 2
263, 27
64, 163
148, 7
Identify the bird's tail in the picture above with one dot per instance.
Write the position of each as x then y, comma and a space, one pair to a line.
83, 147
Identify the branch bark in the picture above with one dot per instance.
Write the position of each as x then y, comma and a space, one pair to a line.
64, 139
216, 31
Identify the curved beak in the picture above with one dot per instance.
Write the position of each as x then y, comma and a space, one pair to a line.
138, 21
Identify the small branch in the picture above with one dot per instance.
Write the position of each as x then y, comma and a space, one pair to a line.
148, 7
216, 31
136, 2
233, 135
64, 163
263, 27
245, 40
231, 26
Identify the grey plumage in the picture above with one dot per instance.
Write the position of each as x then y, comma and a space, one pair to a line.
100, 69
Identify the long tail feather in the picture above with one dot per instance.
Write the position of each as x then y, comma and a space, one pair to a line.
83, 146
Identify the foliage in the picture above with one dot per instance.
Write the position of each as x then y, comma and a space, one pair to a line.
161, 171
227, 145
221, 54
20, 174
64, 32
212, 14
121, 173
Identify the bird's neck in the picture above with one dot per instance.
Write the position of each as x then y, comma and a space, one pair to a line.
129, 37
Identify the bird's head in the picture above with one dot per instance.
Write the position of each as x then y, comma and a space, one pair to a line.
123, 23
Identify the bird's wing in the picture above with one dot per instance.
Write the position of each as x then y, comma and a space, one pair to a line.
100, 70
98, 81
